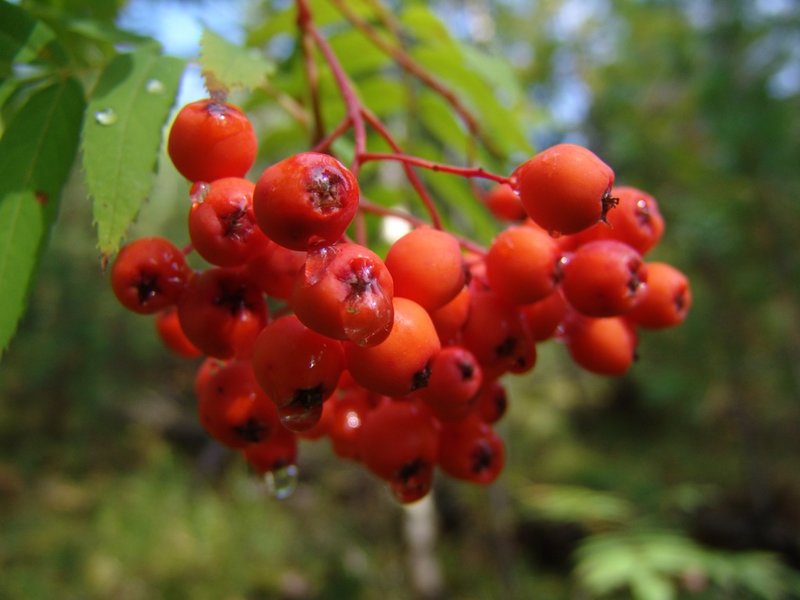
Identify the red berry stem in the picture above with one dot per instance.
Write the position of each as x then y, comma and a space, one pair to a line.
324, 144
312, 74
412, 177
478, 172
349, 96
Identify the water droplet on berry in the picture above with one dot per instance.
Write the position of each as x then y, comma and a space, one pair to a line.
299, 417
107, 116
154, 86
199, 191
317, 261
281, 482
368, 316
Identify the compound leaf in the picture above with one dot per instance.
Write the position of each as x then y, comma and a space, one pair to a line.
38, 149
122, 135
226, 65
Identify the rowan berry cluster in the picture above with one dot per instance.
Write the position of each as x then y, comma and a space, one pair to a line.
396, 359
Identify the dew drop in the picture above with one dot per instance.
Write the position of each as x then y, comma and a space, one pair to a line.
107, 116
199, 191
317, 261
281, 482
368, 316
154, 86
299, 417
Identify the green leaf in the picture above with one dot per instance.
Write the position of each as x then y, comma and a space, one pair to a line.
38, 149
122, 136
226, 65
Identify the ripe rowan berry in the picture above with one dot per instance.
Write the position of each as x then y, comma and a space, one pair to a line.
541, 319
522, 264
504, 203
492, 402
306, 200
222, 312
273, 453
222, 225
427, 267
471, 450
401, 363
604, 278
149, 274
605, 345
169, 331
450, 318
275, 268
298, 369
231, 406
348, 413
345, 292
399, 443
455, 380
210, 140
494, 333
565, 188
635, 220
667, 299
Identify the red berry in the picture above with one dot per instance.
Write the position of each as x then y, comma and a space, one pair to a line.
149, 274
401, 363
504, 203
231, 406
522, 264
222, 312
455, 380
345, 292
273, 453
298, 369
306, 200
222, 225
171, 334
209, 140
492, 402
667, 299
565, 188
606, 346
399, 443
471, 450
450, 318
426, 267
541, 319
604, 278
275, 268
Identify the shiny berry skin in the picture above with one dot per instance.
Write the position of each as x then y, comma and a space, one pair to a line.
606, 346
399, 443
604, 278
450, 318
492, 402
541, 319
149, 274
494, 333
522, 264
455, 380
565, 188
348, 413
222, 225
210, 140
426, 267
666, 300
504, 203
471, 450
298, 369
401, 363
222, 312
635, 220
232, 407
306, 200
169, 331
344, 291
275, 268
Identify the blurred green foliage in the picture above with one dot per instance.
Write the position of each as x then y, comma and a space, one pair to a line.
676, 481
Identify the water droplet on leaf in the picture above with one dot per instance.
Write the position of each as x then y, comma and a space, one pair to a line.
154, 86
107, 116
